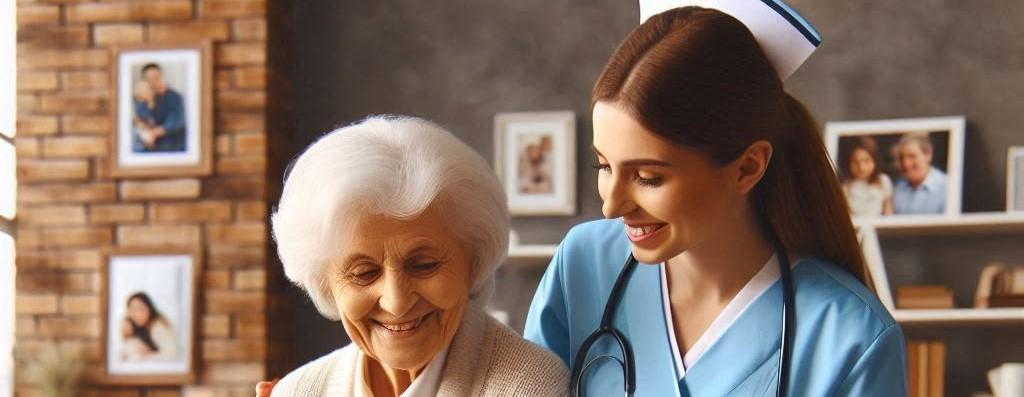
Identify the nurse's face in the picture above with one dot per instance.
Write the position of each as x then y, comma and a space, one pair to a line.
670, 197
402, 287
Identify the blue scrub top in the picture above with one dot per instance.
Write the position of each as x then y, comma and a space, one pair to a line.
846, 343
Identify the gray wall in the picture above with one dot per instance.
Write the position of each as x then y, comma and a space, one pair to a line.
460, 62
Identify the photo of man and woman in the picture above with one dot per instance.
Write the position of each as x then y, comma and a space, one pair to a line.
895, 173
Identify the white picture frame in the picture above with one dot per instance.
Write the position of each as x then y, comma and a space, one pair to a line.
535, 158
166, 88
914, 188
1015, 179
139, 348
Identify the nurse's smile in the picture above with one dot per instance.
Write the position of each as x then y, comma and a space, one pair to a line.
638, 233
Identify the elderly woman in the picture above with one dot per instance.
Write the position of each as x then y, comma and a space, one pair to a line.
395, 227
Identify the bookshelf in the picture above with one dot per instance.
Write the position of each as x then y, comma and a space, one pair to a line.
871, 231
530, 255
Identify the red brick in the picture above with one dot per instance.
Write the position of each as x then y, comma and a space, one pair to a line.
34, 14
130, 11
66, 102
240, 54
50, 37
35, 304
117, 33
25, 326
240, 100
187, 236
232, 8
249, 29
27, 146
250, 324
244, 187
52, 215
84, 80
80, 304
228, 373
28, 238
57, 282
52, 170
37, 81
77, 236
204, 211
160, 189
254, 144
117, 213
234, 350
86, 259
75, 146
250, 280
255, 210
68, 193
216, 326
242, 165
44, 59
235, 256
217, 279
27, 103
69, 327
222, 302
228, 122
72, 124
237, 233
188, 32
225, 145
223, 79
37, 125
251, 77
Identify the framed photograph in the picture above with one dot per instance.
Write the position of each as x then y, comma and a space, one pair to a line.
149, 316
162, 111
535, 156
898, 168
1015, 179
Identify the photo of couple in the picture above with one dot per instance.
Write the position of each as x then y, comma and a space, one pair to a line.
158, 123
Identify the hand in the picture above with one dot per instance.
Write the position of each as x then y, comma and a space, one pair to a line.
126, 328
148, 138
263, 389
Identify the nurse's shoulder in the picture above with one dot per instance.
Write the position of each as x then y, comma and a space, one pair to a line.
828, 290
837, 314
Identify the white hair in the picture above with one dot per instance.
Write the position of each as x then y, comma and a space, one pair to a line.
394, 166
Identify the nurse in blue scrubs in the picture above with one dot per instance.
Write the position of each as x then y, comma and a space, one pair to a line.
717, 182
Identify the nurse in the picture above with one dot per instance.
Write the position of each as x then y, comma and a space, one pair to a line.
717, 182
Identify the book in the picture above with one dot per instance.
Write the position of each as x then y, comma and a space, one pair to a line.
926, 362
1009, 300
924, 297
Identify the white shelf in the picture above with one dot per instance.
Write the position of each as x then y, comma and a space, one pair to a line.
960, 316
979, 222
531, 254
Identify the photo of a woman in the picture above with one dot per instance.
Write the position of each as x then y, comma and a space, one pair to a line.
867, 189
147, 335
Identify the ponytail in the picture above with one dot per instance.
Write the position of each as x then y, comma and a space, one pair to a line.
800, 198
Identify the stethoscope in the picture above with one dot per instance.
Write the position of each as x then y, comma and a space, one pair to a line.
580, 366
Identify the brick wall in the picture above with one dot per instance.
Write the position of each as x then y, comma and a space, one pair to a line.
70, 209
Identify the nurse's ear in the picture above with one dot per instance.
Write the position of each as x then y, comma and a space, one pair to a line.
751, 166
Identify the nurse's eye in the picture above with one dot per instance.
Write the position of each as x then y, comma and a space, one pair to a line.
363, 274
647, 179
600, 167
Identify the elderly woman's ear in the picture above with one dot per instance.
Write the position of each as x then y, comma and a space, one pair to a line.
394, 227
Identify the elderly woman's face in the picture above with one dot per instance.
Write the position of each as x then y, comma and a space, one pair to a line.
401, 287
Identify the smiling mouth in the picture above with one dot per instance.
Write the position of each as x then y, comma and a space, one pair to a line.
403, 328
642, 232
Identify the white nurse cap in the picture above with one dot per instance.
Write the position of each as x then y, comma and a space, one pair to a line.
785, 36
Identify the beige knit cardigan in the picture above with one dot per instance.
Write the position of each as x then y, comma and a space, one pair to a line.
485, 358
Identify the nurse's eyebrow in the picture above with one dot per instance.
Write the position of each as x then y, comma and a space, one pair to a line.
636, 162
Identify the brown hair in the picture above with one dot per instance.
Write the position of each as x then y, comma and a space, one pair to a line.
698, 78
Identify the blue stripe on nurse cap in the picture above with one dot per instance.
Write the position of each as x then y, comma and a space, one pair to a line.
784, 35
